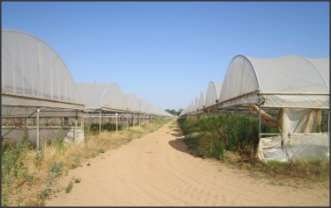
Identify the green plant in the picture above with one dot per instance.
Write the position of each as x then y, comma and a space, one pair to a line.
225, 131
69, 187
56, 169
44, 194
77, 180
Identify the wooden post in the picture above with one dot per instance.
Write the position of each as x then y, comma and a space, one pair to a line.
37, 129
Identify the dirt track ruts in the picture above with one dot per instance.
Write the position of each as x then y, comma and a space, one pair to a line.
157, 170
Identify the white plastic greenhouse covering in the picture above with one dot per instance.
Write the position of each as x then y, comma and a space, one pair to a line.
289, 81
212, 93
201, 101
106, 96
218, 86
204, 100
133, 102
33, 74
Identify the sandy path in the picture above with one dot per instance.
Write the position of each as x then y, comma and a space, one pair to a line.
156, 170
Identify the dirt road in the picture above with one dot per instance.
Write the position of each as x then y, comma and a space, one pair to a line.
157, 170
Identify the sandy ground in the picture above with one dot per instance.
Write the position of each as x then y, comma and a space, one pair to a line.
157, 170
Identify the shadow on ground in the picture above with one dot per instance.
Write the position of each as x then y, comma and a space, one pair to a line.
176, 132
178, 143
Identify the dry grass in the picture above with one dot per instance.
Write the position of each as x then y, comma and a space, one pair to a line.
31, 177
297, 174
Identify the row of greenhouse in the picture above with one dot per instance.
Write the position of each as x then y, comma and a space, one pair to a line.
295, 87
40, 98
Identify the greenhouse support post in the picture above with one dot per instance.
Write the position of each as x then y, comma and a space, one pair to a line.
139, 119
116, 121
259, 124
329, 122
100, 121
37, 129
75, 127
82, 124
127, 120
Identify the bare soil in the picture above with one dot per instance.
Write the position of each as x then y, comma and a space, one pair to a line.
158, 170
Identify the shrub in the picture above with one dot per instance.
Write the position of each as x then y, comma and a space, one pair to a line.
225, 131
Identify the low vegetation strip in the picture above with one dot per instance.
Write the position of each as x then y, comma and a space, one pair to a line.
210, 135
30, 177
233, 138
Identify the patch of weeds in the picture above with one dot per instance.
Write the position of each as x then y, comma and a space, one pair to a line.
69, 187
29, 178
59, 144
101, 151
75, 162
77, 180
44, 194
56, 169
38, 159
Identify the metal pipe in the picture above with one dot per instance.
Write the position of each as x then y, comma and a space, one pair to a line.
127, 120
100, 121
260, 123
329, 122
37, 129
116, 121
40, 99
75, 129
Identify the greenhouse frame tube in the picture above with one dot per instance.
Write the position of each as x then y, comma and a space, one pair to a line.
260, 123
100, 122
37, 129
329, 122
116, 121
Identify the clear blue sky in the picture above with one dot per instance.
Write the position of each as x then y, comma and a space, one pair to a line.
168, 52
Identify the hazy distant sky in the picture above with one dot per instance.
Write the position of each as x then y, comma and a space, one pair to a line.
168, 52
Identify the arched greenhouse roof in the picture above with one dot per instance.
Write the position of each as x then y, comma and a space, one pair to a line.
201, 102
289, 81
323, 67
107, 96
33, 74
133, 102
212, 93
218, 86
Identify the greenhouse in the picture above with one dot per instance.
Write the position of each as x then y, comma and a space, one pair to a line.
295, 89
96, 96
34, 75
41, 101
106, 106
37, 85
212, 95
291, 81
